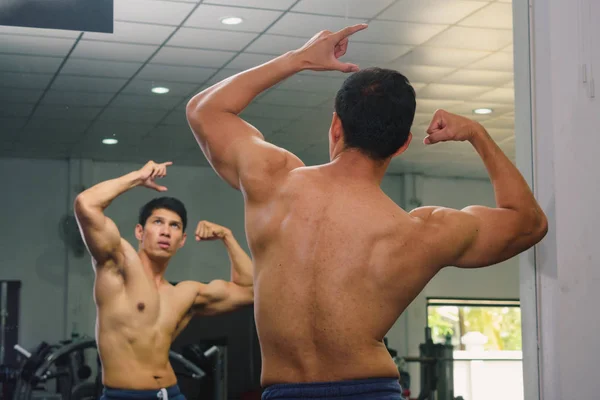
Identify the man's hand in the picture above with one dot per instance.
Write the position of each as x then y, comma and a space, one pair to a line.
446, 127
322, 51
151, 171
210, 231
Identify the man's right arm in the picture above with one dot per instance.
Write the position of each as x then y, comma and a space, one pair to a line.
479, 236
99, 232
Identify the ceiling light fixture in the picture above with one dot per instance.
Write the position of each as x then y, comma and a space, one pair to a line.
160, 90
110, 141
483, 111
231, 20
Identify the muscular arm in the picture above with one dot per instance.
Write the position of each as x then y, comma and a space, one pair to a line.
236, 150
216, 297
241, 264
479, 236
99, 232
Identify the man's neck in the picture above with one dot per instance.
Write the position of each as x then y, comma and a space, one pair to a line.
352, 163
156, 268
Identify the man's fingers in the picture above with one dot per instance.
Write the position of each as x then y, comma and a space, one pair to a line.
346, 67
436, 137
348, 31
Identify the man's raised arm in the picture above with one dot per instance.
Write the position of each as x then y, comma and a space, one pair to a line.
236, 150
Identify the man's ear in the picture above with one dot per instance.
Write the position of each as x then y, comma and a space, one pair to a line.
403, 148
139, 231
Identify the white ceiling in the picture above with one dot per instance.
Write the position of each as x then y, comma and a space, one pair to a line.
64, 91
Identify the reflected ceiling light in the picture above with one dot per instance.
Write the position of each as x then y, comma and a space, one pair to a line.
110, 141
160, 90
231, 20
482, 111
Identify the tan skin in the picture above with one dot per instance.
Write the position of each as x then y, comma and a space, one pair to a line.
337, 261
139, 313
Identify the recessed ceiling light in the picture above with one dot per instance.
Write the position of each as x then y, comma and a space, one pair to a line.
231, 20
160, 90
482, 111
110, 141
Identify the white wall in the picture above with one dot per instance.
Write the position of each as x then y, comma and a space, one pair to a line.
566, 143
34, 198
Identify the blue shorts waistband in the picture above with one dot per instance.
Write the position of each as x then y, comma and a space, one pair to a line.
373, 388
110, 393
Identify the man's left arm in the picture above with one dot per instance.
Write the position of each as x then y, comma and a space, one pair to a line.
236, 150
215, 297
241, 264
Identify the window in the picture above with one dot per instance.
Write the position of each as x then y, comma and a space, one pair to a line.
489, 325
486, 336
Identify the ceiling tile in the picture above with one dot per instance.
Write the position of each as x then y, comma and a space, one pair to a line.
500, 95
176, 117
29, 64
138, 101
307, 25
164, 73
343, 8
44, 130
272, 4
101, 129
308, 83
510, 84
478, 77
143, 87
496, 62
466, 109
134, 115
112, 51
20, 95
133, 33
421, 73
76, 98
275, 44
431, 11
501, 123
87, 84
452, 92
24, 81
152, 11
429, 106
495, 15
294, 98
211, 39
374, 53
9, 127
21, 30
112, 69
192, 57
209, 17
398, 32
509, 49
441, 57
472, 39
71, 113
46, 151
35, 45
11, 109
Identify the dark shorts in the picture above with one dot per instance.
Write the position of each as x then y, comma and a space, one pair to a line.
361, 389
170, 393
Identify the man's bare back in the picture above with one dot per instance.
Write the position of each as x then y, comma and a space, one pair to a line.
139, 313
337, 261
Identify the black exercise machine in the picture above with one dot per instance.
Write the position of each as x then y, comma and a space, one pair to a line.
66, 364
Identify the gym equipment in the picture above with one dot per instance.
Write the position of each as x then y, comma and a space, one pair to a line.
9, 333
437, 369
65, 362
